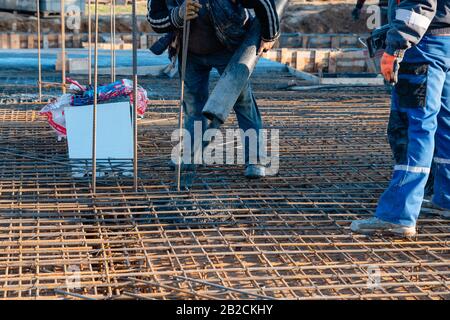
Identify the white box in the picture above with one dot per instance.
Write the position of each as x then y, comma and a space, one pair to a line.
114, 139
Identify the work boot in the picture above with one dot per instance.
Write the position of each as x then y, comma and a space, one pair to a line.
429, 207
254, 171
375, 225
184, 167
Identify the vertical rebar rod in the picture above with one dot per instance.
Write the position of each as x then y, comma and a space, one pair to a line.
112, 13
94, 109
63, 46
89, 43
114, 37
38, 9
135, 84
185, 44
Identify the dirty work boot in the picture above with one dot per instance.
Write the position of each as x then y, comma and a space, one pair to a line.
429, 207
254, 171
375, 225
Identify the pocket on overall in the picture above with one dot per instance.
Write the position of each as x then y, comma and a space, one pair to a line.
411, 88
231, 22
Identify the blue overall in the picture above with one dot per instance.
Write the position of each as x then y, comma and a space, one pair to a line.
422, 99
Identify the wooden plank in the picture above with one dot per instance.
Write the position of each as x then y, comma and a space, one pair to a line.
285, 56
4, 41
30, 41
321, 60
332, 63
14, 41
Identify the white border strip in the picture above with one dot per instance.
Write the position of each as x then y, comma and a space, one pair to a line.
412, 169
412, 18
441, 160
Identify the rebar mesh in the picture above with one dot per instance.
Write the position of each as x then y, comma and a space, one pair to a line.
283, 237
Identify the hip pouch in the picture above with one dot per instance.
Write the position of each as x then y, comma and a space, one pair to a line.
411, 89
231, 22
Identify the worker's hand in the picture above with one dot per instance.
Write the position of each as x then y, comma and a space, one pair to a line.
356, 14
265, 46
389, 65
191, 7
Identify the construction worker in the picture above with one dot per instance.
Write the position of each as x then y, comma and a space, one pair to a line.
218, 27
383, 4
417, 59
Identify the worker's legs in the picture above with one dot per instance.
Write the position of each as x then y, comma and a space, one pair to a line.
442, 159
418, 96
248, 116
397, 132
195, 97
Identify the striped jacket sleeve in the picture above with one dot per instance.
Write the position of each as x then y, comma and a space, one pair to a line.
266, 13
161, 18
360, 4
411, 22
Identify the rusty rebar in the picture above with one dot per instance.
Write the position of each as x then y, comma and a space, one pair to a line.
283, 237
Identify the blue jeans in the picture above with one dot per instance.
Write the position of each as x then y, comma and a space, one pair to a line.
422, 97
198, 70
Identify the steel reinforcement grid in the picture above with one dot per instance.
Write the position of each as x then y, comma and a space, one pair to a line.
282, 237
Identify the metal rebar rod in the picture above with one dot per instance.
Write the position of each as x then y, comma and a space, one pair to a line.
136, 296
185, 47
135, 104
53, 84
38, 12
94, 108
112, 18
150, 283
286, 237
89, 43
71, 294
226, 288
63, 46
114, 37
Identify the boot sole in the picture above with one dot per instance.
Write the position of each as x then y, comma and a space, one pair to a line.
392, 232
254, 177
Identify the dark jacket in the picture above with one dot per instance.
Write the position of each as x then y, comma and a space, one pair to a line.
381, 3
412, 19
163, 16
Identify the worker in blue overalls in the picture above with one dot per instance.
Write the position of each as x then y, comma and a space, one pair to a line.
417, 59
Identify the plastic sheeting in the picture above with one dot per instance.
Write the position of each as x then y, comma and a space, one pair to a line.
85, 96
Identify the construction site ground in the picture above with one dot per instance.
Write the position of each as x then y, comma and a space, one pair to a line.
281, 237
